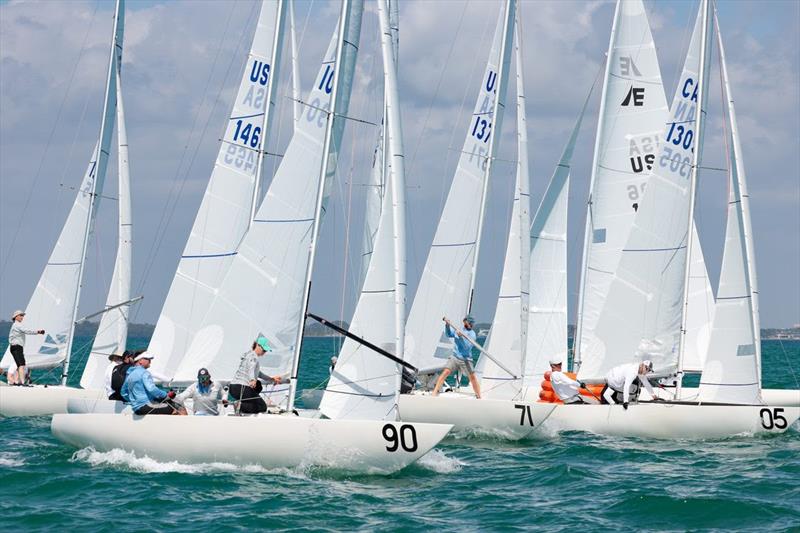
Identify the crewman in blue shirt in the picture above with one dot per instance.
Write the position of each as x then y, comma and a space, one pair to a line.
462, 354
141, 392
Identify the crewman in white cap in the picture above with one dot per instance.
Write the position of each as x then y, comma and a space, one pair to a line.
16, 344
623, 382
566, 388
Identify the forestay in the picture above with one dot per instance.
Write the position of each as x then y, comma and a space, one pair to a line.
642, 315
364, 385
444, 289
732, 368
54, 303
112, 333
507, 338
262, 290
226, 209
547, 315
633, 111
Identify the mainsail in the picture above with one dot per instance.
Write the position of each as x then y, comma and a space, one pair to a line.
507, 338
364, 384
54, 303
112, 333
448, 277
732, 369
643, 313
633, 110
262, 292
547, 314
227, 206
699, 309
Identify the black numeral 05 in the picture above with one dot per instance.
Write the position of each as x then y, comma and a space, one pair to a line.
405, 438
773, 418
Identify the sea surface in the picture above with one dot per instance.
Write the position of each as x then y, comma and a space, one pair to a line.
563, 483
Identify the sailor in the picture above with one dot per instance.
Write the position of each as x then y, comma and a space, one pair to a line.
118, 374
16, 344
461, 359
245, 386
205, 395
114, 360
334, 360
143, 395
566, 388
623, 383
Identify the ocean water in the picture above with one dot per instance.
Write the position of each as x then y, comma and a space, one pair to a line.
565, 482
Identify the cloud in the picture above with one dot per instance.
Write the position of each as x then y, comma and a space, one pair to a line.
182, 62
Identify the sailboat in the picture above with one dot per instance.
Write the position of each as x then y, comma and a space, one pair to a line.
285, 230
649, 292
54, 304
448, 280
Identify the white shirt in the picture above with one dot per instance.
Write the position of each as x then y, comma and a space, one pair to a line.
17, 334
109, 370
621, 377
564, 386
205, 402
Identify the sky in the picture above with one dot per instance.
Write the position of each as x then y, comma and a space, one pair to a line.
182, 62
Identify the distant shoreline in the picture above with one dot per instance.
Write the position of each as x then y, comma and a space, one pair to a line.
313, 329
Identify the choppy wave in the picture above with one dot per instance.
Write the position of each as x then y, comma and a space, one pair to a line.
11, 459
128, 460
439, 462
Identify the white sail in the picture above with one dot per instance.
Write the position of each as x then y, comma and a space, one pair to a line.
643, 313
262, 292
547, 313
112, 333
633, 110
364, 384
445, 286
54, 303
226, 209
700, 309
507, 338
732, 369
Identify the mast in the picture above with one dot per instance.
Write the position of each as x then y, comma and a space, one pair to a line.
508, 30
397, 166
104, 140
576, 342
696, 156
269, 103
740, 184
295, 67
324, 168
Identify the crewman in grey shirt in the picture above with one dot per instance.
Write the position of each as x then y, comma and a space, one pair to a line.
16, 343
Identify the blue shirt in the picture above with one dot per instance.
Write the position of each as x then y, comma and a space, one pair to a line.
139, 388
462, 348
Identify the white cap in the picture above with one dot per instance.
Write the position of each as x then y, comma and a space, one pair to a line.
648, 365
143, 355
556, 360
17, 313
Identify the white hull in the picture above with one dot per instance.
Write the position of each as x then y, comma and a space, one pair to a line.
42, 400
664, 420
272, 441
97, 405
507, 419
774, 397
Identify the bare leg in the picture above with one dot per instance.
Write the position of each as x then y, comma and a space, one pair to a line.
475, 385
440, 381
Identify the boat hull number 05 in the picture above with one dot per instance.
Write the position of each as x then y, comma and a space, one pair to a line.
772, 418
405, 438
